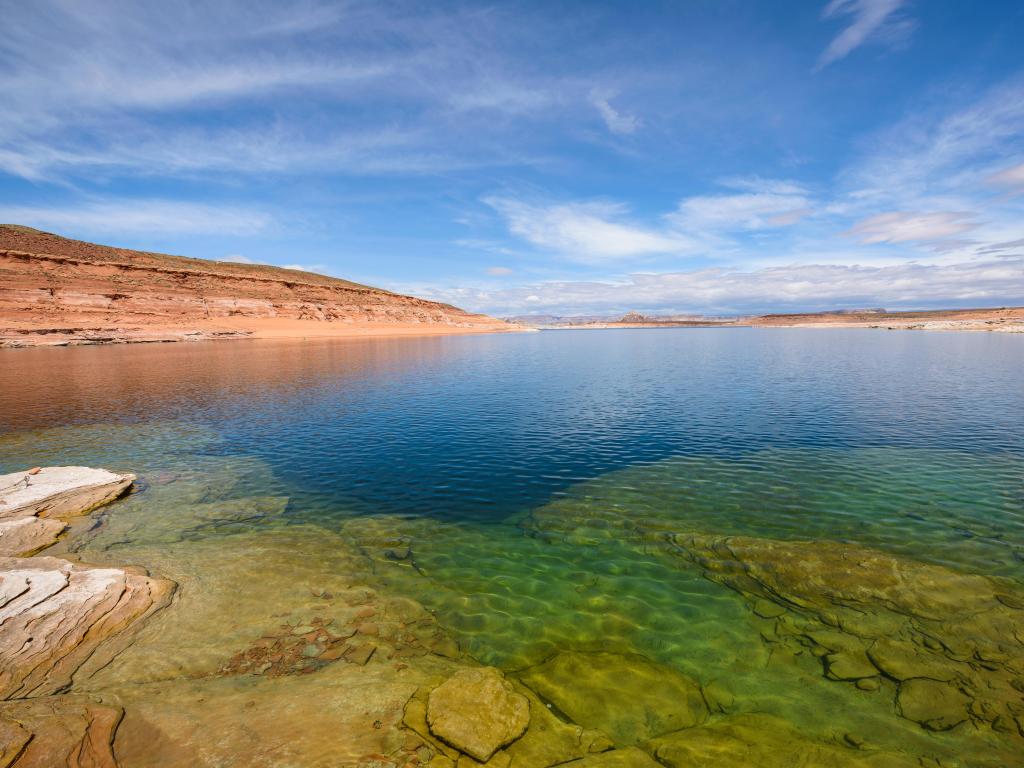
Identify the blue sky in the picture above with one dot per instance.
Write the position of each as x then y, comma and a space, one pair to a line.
519, 158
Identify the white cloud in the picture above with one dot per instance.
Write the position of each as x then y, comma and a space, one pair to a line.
798, 287
140, 216
1010, 177
906, 226
616, 121
237, 258
499, 271
768, 203
872, 20
943, 149
586, 232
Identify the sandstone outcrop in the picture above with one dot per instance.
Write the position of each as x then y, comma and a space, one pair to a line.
30, 502
58, 618
59, 291
59, 491
38, 733
55, 616
477, 711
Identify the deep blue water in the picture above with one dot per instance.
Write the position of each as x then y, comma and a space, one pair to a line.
486, 426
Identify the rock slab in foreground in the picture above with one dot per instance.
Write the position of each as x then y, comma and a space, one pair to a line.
477, 711
59, 491
34, 732
56, 615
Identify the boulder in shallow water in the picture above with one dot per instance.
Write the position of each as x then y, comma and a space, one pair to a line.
59, 491
478, 712
626, 696
936, 705
764, 741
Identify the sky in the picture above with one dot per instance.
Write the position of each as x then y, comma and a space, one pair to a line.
565, 158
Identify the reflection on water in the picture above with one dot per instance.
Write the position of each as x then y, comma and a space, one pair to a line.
526, 490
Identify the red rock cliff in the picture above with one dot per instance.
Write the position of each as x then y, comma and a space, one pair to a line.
59, 291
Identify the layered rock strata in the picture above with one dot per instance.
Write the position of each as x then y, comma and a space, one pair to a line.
59, 291
58, 619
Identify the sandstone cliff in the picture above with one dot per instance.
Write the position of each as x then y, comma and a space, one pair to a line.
54, 290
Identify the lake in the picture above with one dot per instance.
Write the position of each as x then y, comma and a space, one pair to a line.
762, 511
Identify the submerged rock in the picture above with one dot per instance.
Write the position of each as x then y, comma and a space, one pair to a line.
628, 757
936, 705
764, 741
477, 711
627, 697
57, 730
59, 491
954, 642
55, 615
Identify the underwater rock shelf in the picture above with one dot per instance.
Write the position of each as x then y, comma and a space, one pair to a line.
950, 644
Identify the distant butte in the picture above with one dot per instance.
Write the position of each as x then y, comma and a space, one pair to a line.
56, 292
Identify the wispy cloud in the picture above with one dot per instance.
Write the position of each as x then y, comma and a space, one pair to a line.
907, 227
140, 217
869, 21
1010, 178
617, 121
586, 232
767, 203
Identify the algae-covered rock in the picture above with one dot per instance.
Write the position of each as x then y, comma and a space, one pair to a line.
627, 697
477, 711
936, 705
627, 757
955, 640
764, 741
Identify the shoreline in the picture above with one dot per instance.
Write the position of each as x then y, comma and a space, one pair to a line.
232, 329
997, 320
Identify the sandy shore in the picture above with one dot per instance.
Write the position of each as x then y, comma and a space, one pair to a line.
27, 334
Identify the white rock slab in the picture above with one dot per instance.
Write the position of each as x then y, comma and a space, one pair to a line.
21, 536
59, 491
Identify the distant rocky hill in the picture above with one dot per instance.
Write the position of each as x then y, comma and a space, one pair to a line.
54, 290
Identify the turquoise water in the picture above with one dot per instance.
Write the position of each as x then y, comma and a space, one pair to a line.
520, 487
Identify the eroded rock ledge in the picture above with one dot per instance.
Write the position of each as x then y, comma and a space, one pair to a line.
59, 619
33, 502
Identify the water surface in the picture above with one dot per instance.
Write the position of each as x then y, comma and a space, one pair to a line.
511, 484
